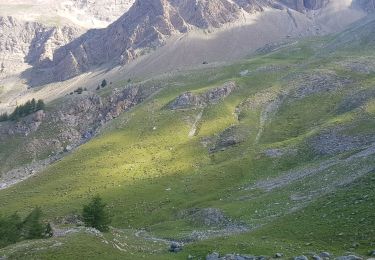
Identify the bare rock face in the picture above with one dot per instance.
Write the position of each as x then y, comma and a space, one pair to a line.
206, 13
303, 5
191, 100
30, 43
147, 25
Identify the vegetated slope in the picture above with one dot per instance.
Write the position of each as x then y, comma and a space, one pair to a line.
281, 159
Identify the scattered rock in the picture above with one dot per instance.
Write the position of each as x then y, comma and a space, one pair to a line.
360, 65
325, 255
348, 257
276, 153
72, 220
334, 141
316, 257
372, 253
355, 100
216, 256
279, 255
175, 247
318, 82
213, 256
302, 257
206, 217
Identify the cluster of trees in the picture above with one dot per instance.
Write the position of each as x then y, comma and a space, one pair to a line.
28, 108
14, 229
95, 214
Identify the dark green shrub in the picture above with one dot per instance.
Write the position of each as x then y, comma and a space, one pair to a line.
104, 83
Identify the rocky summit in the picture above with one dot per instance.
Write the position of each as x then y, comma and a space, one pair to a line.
187, 129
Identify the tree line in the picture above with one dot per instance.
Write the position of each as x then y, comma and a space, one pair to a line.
26, 109
14, 229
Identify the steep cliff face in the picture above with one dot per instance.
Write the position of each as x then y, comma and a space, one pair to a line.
29, 42
144, 26
148, 23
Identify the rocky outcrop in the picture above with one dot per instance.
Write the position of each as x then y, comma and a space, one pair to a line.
229, 137
73, 122
213, 96
318, 82
335, 141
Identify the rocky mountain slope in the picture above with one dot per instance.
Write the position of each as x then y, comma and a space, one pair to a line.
27, 43
149, 24
152, 38
31, 31
269, 157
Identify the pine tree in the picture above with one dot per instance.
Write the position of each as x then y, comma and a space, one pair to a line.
104, 83
4, 117
33, 105
95, 214
32, 227
40, 105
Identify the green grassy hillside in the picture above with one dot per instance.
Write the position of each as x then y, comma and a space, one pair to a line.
285, 163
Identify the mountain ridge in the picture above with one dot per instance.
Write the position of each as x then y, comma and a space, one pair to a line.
149, 23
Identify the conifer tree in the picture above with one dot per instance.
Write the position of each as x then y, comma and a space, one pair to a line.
95, 214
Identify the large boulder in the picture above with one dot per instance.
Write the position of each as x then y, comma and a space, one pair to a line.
301, 257
175, 247
212, 96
